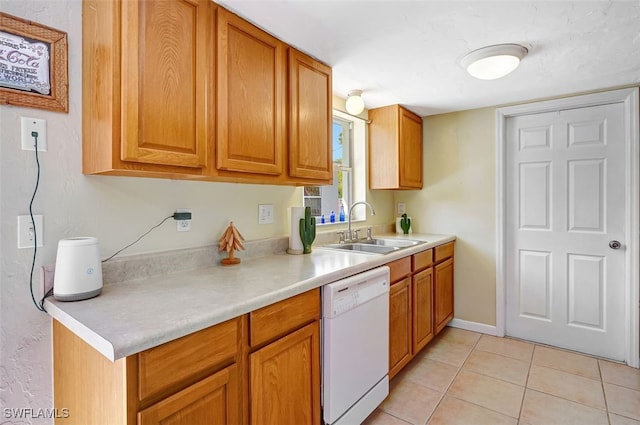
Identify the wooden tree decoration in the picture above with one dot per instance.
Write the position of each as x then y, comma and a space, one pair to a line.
230, 241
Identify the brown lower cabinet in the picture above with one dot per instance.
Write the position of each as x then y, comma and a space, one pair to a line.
285, 380
284, 366
443, 294
211, 401
420, 302
259, 368
422, 309
399, 325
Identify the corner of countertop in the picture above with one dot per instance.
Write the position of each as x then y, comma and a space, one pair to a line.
85, 333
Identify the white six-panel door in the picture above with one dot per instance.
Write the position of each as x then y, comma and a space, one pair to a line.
565, 204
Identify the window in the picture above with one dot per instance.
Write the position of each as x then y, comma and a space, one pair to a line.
348, 175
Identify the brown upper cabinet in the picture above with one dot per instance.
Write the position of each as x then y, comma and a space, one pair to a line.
395, 148
197, 92
310, 118
251, 97
145, 101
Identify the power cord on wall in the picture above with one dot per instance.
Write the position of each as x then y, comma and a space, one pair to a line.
39, 305
175, 216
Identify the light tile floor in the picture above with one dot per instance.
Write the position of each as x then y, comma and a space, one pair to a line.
466, 378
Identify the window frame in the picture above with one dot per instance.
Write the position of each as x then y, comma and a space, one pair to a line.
354, 172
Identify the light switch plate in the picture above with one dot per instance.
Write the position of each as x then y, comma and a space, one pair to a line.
402, 208
265, 214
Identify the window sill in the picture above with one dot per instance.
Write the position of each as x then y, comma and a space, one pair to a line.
318, 224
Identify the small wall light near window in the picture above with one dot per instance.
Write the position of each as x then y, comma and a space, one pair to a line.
354, 103
492, 62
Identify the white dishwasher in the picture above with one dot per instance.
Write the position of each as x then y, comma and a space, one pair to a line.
355, 327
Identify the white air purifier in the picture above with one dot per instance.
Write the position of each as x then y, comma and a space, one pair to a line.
78, 273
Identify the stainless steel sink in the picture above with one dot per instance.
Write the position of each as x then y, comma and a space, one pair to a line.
376, 246
399, 243
362, 247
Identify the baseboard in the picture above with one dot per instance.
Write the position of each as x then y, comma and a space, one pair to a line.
473, 326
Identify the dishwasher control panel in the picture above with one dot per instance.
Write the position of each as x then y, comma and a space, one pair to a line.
347, 294
344, 303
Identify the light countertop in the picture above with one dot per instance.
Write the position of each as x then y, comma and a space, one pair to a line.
130, 317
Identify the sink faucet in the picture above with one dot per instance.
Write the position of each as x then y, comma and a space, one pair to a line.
373, 212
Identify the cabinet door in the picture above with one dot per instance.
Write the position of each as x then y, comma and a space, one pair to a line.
384, 158
310, 154
284, 379
251, 97
166, 60
399, 326
422, 286
443, 294
395, 148
214, 401
410, 150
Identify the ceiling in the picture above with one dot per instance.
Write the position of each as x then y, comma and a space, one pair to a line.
408, 52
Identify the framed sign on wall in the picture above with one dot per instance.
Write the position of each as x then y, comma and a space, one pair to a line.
33, 65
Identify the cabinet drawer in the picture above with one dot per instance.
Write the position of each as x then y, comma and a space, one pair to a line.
213, 400
444, 251
422, 260
283, 317
177, 363
400, 268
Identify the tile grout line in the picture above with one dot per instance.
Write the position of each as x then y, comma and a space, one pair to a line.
480, 372
526, 383
604, 394
446, 390
394, 416
470, 402
444, 393
474, 347
606, 408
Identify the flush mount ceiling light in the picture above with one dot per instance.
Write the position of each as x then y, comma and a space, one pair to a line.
354, 103
491, 62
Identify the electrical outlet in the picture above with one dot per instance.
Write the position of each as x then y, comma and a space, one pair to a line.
402, 208
183, 225
47, 274
26, 235
265, 214
30, 125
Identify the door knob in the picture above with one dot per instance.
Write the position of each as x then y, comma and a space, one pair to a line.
615, 245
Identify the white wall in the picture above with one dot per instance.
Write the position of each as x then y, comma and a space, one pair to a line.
114, 209
458, 198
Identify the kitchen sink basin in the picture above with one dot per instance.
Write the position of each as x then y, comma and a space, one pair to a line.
375, 246
363, 247
399, 243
